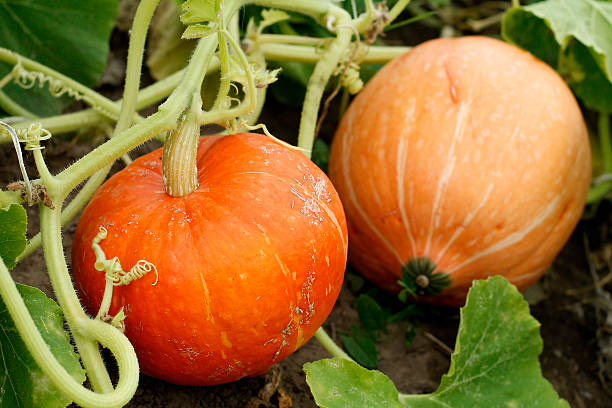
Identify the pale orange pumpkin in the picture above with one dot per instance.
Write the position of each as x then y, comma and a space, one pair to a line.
468, 156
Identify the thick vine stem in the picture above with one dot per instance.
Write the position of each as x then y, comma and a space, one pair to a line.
316, 9
225, 82
106, 334
67, 298
318, 80
139, 30
376, 54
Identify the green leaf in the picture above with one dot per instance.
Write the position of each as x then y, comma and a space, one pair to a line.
198, 31
23, 383
13, 221
371, 315
360, 346
573, 36
70, 36
271, 17
496, 353
585, 78
495, 363
198, 11
339, 383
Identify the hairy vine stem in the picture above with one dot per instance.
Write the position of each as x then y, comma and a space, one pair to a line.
330, 345
106, 334
73, 312
85, 341
376, 54
140, 26
225, 82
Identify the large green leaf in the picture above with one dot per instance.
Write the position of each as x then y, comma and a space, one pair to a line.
496, 353
340, 383
495, 363
22, 383
70, 36
574, 36
13, 220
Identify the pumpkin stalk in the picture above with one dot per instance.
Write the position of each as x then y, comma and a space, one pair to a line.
180, 153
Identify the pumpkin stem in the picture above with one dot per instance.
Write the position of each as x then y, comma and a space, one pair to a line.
419, 277
179, 166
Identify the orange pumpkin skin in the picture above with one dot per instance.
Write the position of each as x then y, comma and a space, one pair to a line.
249, 265
469, 152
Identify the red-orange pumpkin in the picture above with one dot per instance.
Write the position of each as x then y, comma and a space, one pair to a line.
469, 153
249, 265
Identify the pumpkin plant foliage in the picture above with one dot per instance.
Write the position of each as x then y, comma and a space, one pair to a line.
495, 362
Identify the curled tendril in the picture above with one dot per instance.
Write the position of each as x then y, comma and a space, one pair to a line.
141, 268
112, 267
351, 79
235, 88
33, 135
57, 88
